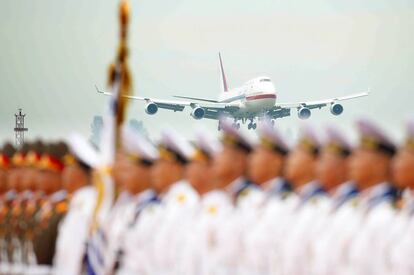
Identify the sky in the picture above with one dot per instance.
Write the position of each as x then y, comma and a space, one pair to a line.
52, 53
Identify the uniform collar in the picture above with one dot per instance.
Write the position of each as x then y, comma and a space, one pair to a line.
146, 196
123, 198
408, 200
237, 186
144, 199
10, 195
26, 195
277, 186
58, 196
180, 184
344, 192
379, 193
311, 190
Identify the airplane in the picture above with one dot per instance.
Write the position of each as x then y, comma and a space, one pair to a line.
256, 99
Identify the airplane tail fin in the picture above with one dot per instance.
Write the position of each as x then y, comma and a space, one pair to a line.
223, 80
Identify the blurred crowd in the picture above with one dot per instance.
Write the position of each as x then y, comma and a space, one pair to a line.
225, 206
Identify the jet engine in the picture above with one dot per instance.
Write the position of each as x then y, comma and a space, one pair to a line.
336, 109
151, 108
198, 113
304, 113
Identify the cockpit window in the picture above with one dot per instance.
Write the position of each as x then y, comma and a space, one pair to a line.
265, 80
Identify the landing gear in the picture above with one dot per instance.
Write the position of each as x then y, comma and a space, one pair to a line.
251, 125
236, 125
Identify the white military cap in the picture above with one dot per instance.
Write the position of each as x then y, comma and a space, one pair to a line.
83, 150
173, 146
206, 146
309, 140
233, 137
409, 141
372, 137
410, 127
271, 138
137, 146
336, 141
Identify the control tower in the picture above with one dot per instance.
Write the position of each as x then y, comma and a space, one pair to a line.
19, 129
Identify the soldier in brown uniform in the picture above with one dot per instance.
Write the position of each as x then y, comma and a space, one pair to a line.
14, 179
54, 208
5, 200
34, 200
6, 154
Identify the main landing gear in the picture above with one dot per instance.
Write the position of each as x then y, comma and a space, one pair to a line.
252, 125
235, 125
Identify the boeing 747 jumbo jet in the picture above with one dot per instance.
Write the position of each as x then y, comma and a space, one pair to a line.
254, 100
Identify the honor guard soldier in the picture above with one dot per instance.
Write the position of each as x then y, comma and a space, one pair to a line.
131, 250
332, 172
266, 165
16, 255
74, 228
370, 165
370, 169
198, 251
333, 165
6, 197
179, 200
301, 172
230, 165
30, 173
402, 170
132, 173
400, 239
301, 165
230, 171
6, 154
267, 161
34, 199
53, 210
17, 164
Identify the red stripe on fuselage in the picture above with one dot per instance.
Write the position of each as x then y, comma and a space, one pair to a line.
260, 96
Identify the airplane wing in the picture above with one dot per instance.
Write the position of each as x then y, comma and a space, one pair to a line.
211, 109
196, 98
283, 109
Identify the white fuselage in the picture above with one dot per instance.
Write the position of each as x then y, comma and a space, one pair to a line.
255, 97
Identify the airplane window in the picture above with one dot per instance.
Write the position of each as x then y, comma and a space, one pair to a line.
265, 80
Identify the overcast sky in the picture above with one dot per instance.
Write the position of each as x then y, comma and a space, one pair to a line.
52, 53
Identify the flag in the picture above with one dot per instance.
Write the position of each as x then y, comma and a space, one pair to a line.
120, 82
